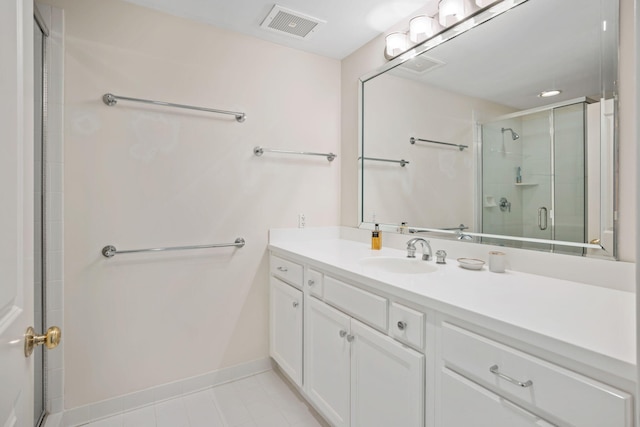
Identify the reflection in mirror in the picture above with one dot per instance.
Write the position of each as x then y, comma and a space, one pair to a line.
461, 139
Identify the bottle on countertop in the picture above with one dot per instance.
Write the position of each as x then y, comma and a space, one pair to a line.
376, 238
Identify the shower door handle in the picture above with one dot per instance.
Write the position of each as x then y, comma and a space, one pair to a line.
542, 218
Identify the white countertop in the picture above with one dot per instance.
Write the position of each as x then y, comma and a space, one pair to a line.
598, 320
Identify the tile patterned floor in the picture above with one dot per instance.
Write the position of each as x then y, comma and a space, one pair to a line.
262, 400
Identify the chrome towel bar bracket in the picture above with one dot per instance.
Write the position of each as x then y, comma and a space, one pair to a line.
110, 251
111, 100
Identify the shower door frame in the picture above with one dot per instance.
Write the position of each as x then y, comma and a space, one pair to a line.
40, 312
479, 217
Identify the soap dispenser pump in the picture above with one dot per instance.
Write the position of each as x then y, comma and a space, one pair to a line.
376, 238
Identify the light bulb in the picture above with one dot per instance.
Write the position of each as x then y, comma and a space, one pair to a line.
450, 12
396, 43
421, 28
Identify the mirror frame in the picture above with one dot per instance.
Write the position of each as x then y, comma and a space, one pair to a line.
473, 20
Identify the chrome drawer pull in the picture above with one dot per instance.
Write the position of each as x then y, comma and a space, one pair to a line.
343, 334
402, 325
283, 269
295, 304
494, 370
311, 282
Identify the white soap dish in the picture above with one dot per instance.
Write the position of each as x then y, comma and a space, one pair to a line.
471, 263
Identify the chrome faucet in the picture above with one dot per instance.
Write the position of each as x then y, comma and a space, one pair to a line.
411, 248
461, 236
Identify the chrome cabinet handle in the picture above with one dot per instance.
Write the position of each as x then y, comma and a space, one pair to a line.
402, 325
350, 338
494, 370
343, 333
295, 304
283, 269
311, 282
542, 216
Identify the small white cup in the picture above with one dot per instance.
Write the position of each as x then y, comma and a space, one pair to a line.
497, 261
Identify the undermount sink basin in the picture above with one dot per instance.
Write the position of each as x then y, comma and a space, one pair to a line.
399, 265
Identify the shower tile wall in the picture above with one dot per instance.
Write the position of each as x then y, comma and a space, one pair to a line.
533, 198
501, 158
536, 161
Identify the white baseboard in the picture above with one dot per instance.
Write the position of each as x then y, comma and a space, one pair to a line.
118, 405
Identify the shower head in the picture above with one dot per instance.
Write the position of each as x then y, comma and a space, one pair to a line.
514, 135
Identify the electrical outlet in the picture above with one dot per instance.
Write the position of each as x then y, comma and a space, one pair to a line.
301, 220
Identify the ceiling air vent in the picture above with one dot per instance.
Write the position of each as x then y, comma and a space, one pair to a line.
288, 22
422, 64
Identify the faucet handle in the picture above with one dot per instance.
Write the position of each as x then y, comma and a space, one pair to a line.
440, 257
411, 251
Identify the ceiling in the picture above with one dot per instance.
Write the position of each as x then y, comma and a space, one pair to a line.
512, 58
350, 24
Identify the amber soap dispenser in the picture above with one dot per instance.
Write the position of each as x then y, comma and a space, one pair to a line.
376, 238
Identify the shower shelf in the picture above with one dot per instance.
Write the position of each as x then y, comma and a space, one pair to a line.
526, 184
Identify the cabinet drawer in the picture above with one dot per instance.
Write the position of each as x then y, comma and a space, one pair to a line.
363, 305
314, 282
542, 386
465, 403
406, 325
286, 270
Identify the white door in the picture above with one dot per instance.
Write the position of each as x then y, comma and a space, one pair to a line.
387, 381
327, 349
286, 328
16, 210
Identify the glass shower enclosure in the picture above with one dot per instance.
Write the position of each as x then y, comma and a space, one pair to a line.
534, 177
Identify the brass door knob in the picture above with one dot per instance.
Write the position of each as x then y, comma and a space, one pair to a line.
50, 340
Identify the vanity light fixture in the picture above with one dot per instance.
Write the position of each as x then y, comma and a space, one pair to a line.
450, 12
421, 28
396, 43
549, 93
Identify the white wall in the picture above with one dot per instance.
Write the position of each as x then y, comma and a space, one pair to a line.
398, 108
138, 176
628, 133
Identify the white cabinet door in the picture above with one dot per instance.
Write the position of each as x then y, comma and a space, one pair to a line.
465, 403
286, 328
387, 381
327, 369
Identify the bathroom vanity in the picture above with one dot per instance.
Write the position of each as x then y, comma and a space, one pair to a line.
371, 338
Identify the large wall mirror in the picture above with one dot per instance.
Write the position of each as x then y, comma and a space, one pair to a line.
457, 137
